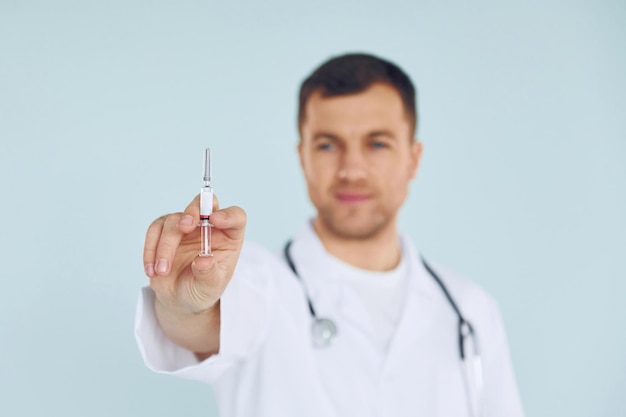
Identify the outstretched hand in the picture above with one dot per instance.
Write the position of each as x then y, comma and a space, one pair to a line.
179, 277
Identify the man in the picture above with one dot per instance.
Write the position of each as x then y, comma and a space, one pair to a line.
261, 329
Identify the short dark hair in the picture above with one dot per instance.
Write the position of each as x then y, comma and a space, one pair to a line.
354, 73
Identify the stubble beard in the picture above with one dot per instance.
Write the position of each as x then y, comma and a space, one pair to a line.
343, 228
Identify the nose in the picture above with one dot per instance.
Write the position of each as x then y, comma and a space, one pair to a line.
353, 166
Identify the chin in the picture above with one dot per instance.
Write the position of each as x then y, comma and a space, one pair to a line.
353, 229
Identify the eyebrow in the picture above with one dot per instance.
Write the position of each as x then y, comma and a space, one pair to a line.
371, 135
378, 133
375, 134
326, 136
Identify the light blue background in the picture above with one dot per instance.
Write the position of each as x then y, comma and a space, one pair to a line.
105, 108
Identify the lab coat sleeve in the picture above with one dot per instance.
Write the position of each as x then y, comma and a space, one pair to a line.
244, 314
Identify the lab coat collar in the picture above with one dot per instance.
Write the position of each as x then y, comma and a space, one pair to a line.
318, 269
313, 266
310, 254
423, 299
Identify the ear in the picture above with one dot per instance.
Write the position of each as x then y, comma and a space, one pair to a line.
416, 155
300, 155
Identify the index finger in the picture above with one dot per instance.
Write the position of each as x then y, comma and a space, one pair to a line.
191, 215
231, 221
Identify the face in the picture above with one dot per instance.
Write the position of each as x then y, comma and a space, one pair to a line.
358, 157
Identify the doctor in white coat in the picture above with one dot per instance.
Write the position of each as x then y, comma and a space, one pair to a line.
348, 320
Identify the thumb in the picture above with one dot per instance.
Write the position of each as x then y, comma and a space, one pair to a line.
202, 266
210, 280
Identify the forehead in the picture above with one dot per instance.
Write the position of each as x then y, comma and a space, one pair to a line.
378, 107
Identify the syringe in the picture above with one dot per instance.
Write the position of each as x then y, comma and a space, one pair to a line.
206, 206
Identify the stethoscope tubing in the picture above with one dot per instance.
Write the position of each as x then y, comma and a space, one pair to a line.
467, 340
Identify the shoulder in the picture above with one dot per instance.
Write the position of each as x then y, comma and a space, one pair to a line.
477, 305
463, 290
473, 301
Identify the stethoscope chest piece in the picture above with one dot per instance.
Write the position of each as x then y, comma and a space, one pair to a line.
324, 332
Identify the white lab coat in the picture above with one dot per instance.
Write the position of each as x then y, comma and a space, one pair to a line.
268, 367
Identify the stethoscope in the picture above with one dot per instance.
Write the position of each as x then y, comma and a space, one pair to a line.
324, 333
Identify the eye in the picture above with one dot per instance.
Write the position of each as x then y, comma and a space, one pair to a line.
379, 145
325, 146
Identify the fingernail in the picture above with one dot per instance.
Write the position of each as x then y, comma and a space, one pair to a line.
186, 220
149, 269
162, 266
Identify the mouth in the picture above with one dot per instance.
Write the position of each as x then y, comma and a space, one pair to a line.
352, 197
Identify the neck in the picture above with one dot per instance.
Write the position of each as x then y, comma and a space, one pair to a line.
376, 253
